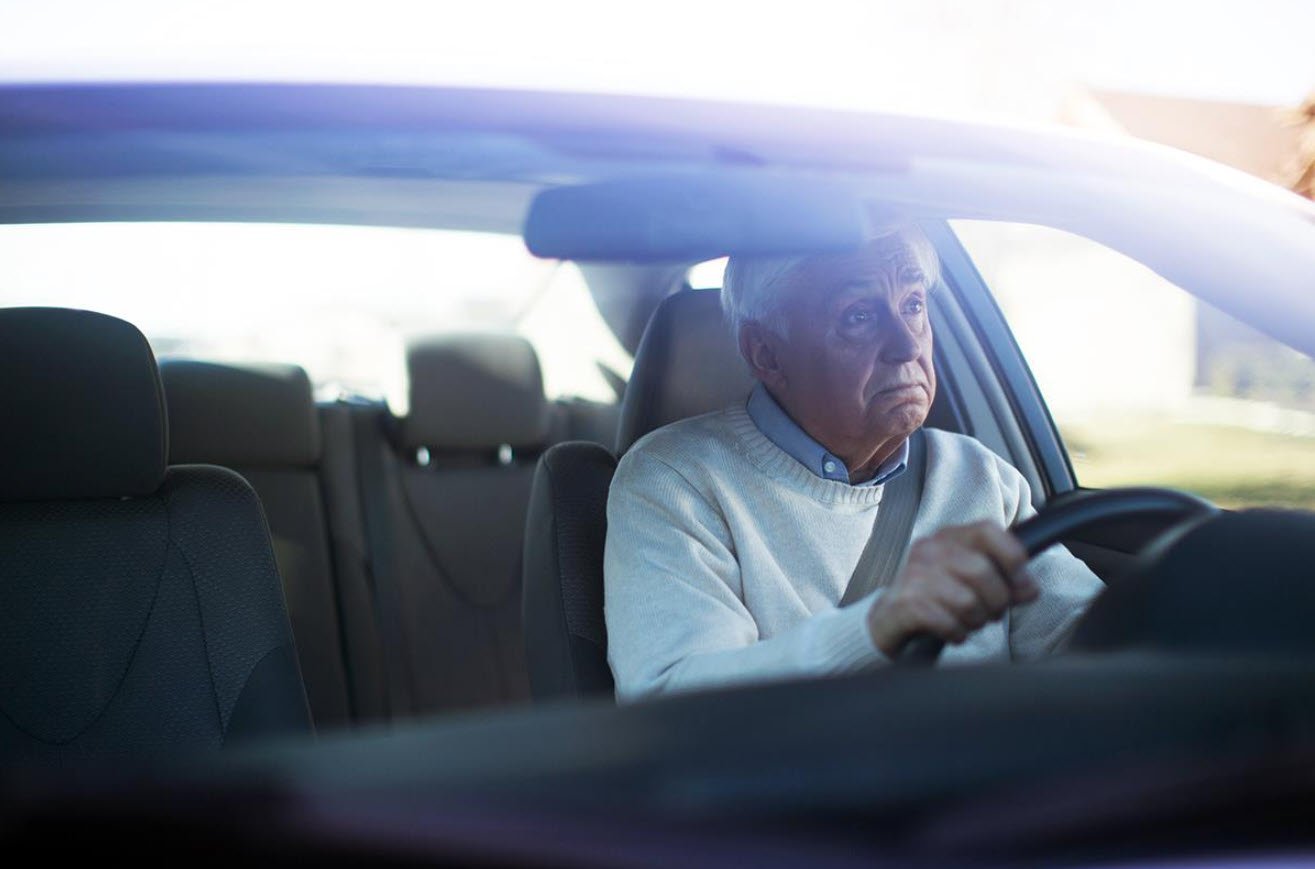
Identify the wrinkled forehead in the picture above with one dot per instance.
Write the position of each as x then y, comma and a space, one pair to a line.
890, 262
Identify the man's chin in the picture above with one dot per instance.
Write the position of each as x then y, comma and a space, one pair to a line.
903, 419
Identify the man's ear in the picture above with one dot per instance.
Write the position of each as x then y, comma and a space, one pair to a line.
760, 348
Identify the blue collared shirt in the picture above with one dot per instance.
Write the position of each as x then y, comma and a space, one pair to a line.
777, 427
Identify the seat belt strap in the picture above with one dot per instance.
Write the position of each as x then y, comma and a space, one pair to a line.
888, 546
370, 472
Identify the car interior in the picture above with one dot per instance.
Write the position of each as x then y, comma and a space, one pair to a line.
201, 553
398, 540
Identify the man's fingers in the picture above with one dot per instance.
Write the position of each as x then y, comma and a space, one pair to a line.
1007, 554
965, 602
981, 575
941, 622
960, 579
1000, 546
1024, 587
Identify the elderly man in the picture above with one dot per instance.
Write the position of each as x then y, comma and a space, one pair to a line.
732, 536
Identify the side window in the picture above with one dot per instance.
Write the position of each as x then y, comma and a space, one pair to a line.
1148, 385
573, 341
707, 275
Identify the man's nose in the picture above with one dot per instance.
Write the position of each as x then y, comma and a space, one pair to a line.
899, 344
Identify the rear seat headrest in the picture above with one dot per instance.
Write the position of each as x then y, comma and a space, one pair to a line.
85, 412
474, 392
687, 364
244, 416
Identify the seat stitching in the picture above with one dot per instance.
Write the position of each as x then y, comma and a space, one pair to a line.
205, 634
557, 571
224, 725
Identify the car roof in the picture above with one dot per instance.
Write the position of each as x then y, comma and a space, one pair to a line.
570, 130
474, 159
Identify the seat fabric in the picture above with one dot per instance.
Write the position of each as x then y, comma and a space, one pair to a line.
686, 365
565, 635
141, 613
261, 421
451, 482
367, 673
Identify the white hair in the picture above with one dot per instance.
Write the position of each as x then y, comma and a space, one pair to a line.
751, 289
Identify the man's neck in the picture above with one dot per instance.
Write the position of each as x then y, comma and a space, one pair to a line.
860, 470
861, 463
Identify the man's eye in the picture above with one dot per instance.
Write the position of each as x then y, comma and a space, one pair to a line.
856, 317
914, 306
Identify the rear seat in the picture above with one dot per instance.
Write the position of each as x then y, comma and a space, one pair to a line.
261, 422
403, 578
456, 476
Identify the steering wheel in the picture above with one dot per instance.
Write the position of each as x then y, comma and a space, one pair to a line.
1079, 512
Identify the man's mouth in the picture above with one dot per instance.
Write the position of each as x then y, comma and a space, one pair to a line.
901, 388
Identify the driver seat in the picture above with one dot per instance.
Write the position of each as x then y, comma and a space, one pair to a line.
686, 365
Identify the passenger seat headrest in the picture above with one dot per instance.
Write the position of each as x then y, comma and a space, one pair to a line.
475, 392
85, 411
687, 364
240, 416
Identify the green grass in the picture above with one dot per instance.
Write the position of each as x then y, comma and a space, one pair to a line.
1233, 467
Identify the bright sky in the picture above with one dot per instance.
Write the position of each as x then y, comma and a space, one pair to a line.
997, 57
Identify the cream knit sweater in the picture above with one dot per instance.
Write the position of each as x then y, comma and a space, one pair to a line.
726, 559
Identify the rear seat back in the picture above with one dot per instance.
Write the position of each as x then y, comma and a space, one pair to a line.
261, 421
353, 567
459, 470
399, 540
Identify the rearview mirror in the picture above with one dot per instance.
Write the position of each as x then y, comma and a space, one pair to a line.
689, 217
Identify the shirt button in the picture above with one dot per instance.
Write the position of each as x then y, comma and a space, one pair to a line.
829, 467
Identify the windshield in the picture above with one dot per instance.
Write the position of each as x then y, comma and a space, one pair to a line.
903, 452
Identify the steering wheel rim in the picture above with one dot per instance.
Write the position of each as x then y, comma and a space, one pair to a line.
1079, 512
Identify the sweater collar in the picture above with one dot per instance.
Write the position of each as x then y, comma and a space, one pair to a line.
777, 426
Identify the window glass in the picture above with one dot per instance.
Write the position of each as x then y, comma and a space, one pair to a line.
342, 301
564, 323
1148, 385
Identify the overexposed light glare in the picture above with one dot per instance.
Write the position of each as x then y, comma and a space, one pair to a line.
573, 340
994, 57
707, 275
342, 301
1043, 278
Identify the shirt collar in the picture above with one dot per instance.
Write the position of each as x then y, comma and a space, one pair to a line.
777, 426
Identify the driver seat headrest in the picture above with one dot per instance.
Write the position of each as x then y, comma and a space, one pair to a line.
687, 364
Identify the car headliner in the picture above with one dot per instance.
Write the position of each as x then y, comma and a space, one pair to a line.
473, 159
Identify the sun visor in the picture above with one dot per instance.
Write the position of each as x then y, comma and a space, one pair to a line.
688, 217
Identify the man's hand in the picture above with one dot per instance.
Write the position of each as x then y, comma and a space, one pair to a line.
955, 581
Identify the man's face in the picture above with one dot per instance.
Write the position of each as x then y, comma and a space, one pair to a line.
855, 364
